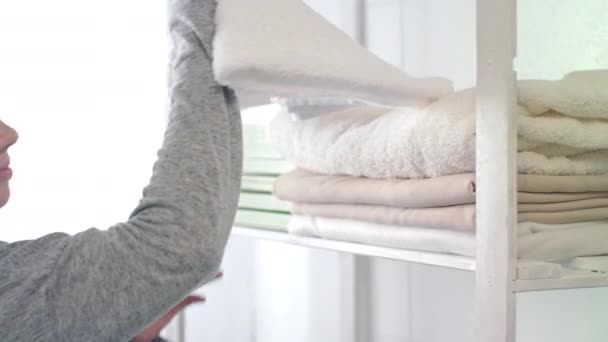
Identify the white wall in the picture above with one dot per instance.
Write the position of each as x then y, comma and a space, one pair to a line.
84, 84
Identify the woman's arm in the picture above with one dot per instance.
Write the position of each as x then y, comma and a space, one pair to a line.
108, 285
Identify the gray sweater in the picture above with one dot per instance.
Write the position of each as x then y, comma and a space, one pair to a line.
107, 285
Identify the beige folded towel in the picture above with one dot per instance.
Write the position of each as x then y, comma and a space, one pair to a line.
562, 217
550, 184
594, 203
309, 187
531, 197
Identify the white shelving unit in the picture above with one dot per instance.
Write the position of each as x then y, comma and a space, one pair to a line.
496, 263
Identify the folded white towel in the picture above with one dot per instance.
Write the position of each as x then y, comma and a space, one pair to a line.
431, 240
527, 228
594, 264
581, 94
537, 242
563, 244
529, 270
438, 140
284, 48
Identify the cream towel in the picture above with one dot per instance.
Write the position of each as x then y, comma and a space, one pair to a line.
547, 244
461, 217
458, 217
559, 184
563, 244
432, 240
531, 198
561, 217
254, 50
310, 187
594, 203
581, 94
439, 140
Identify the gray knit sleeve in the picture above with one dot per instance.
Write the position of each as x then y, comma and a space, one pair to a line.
108, 285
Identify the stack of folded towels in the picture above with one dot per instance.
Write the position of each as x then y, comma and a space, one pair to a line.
388, 159
262, 165
404, 177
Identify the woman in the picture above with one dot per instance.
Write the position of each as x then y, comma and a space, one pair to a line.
109, 285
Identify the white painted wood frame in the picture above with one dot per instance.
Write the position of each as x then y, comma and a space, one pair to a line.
496, 171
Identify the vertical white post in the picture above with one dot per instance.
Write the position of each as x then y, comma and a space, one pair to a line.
496, 170
357, 298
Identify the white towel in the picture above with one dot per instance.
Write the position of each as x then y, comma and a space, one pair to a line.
594, 264
527, 228
557, 243
438, 140
537, 242
431, 240
581, 94
284, 48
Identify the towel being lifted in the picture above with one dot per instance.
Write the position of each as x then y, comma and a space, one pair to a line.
284, 48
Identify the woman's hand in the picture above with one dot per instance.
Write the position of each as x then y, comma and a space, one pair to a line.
153, 330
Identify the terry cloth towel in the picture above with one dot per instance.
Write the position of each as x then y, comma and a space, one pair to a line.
309, 187
460, 217
254, 50
581, 94
432, 240
438, 140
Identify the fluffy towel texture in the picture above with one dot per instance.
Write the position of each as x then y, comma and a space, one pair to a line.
581, 94
548, 243
440, 139
310, 187
461, 217
378, 143
432, 240
254, 49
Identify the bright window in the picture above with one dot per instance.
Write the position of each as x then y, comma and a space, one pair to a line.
84, 83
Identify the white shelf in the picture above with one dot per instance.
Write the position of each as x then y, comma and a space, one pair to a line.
564, 283
436, 259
